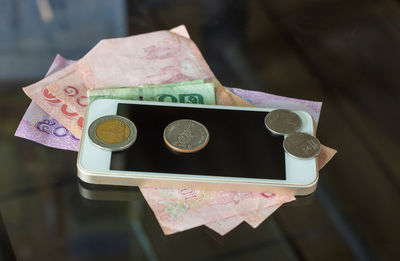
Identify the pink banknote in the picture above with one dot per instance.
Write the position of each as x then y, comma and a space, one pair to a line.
41, 96
152, 58
37, 125
180, 209
254, 219
223, 226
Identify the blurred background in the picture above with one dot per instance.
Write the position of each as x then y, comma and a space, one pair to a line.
343, 53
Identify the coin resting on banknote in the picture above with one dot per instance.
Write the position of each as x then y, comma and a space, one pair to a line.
113, 132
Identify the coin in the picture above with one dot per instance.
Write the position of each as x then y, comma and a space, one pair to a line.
282, 122
186, 136
302, 145
113, 132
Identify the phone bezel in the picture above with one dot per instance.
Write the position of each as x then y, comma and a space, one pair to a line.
94, 163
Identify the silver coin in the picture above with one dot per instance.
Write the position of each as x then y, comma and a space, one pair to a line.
302, 145
186, 136
282, 122
112, 132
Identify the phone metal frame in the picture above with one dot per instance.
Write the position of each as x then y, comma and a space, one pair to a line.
97, 173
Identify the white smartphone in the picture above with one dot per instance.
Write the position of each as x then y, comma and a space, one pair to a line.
241, 154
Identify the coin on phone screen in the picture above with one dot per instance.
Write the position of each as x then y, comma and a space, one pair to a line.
186, 136
282, 122
302, 145
113, 132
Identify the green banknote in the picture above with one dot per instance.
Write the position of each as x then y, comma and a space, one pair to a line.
196, 92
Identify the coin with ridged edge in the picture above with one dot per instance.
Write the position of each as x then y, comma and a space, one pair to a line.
282, 122
186, 136
112, 132
302, 145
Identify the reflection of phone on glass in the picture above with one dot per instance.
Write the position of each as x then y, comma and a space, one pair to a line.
109, 192
240, 153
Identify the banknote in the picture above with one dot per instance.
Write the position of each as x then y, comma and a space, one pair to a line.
325, 156
197, 93
180, 209
37, 125
262, 99
223, 226
254, 219
57, 109
152, 58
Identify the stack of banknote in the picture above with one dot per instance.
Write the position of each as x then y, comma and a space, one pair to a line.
157, 66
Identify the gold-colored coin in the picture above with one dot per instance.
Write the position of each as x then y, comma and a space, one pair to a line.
112, 131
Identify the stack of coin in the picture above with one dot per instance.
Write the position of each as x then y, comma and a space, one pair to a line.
186, 136
296, 144
113, 133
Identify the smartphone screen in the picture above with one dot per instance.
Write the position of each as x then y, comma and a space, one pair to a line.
239, 146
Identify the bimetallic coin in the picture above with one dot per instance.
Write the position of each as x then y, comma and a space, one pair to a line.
113, 132
302, 145
282, 122
186, 136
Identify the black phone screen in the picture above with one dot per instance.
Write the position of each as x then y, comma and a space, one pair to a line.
239, 146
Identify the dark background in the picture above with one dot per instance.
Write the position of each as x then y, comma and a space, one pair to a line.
344, 53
